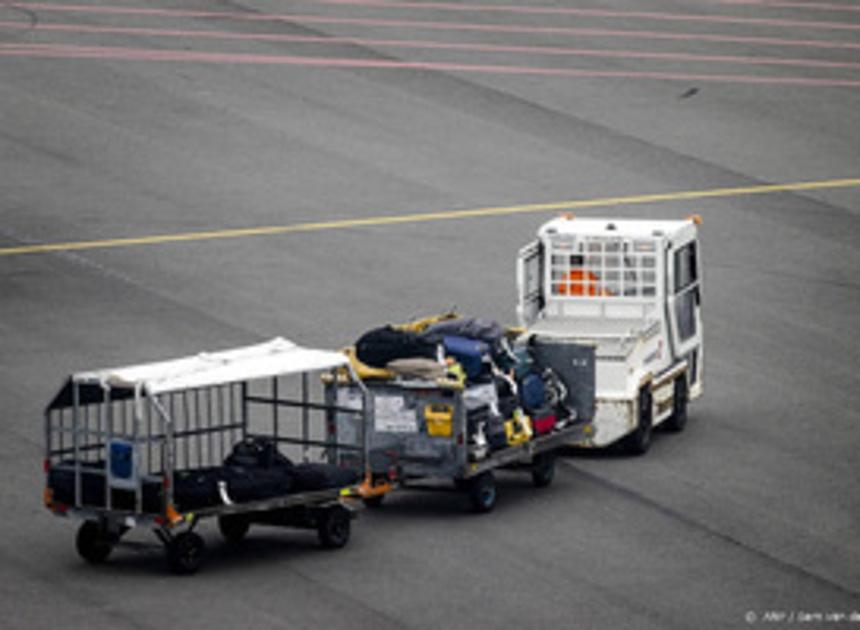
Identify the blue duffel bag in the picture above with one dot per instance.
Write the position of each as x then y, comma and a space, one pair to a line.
470, 353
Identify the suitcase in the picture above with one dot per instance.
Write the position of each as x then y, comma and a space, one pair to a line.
478, 395
518, 429
439, 419
62, 485
508, 406
532, 393
198, 488
474, 418
544, 421
495, 433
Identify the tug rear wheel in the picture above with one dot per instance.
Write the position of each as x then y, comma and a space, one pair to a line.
543, 469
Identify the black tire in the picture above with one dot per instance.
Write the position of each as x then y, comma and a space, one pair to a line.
334, 527
543, 469
94, 543
185, 553
638, 442
234, 527
678, 420
482, 492
374, 501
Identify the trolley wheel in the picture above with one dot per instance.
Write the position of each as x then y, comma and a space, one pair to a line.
374, 501
482, 492
94, 543
234, 527
543, 469
333, 527
678, 420
638, 442
185, 553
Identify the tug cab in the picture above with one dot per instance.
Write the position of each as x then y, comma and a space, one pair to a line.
631, 289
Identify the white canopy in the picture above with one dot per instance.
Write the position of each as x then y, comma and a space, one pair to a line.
272, 358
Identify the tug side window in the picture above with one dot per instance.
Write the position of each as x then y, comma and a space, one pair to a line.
686, 290
686, 272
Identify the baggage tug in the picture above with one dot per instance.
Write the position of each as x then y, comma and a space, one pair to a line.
632, 290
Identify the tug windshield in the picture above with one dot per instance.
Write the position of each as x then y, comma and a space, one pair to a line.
603, 268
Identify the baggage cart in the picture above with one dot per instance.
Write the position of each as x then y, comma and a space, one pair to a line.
145, 446
419, 432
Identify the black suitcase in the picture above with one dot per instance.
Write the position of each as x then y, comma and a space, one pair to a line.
495, 433
198, 488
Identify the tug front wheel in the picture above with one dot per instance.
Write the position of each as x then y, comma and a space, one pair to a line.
678, 420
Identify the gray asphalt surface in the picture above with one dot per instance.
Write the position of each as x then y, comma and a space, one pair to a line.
754, 509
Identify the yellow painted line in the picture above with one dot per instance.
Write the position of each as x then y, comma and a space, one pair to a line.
688, 195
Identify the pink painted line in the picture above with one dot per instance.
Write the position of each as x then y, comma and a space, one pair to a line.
780, 4
429, 45
447, 26
138, 54
582, 12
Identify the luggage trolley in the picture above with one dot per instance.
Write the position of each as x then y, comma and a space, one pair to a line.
419, 431
165, 445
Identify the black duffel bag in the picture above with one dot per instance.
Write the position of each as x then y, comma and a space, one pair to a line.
379, 346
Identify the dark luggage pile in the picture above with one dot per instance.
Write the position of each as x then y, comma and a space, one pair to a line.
509, 397
255, 470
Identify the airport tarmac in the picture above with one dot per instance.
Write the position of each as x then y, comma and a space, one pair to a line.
187, 176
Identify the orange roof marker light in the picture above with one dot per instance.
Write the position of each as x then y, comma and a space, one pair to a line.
568, 216
695, 218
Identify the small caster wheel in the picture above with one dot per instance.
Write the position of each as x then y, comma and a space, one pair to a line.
94, 543
543, 469
375, 501
185, 553
234, 527
482, 492
333, 528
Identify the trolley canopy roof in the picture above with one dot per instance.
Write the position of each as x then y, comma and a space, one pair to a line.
272, 358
